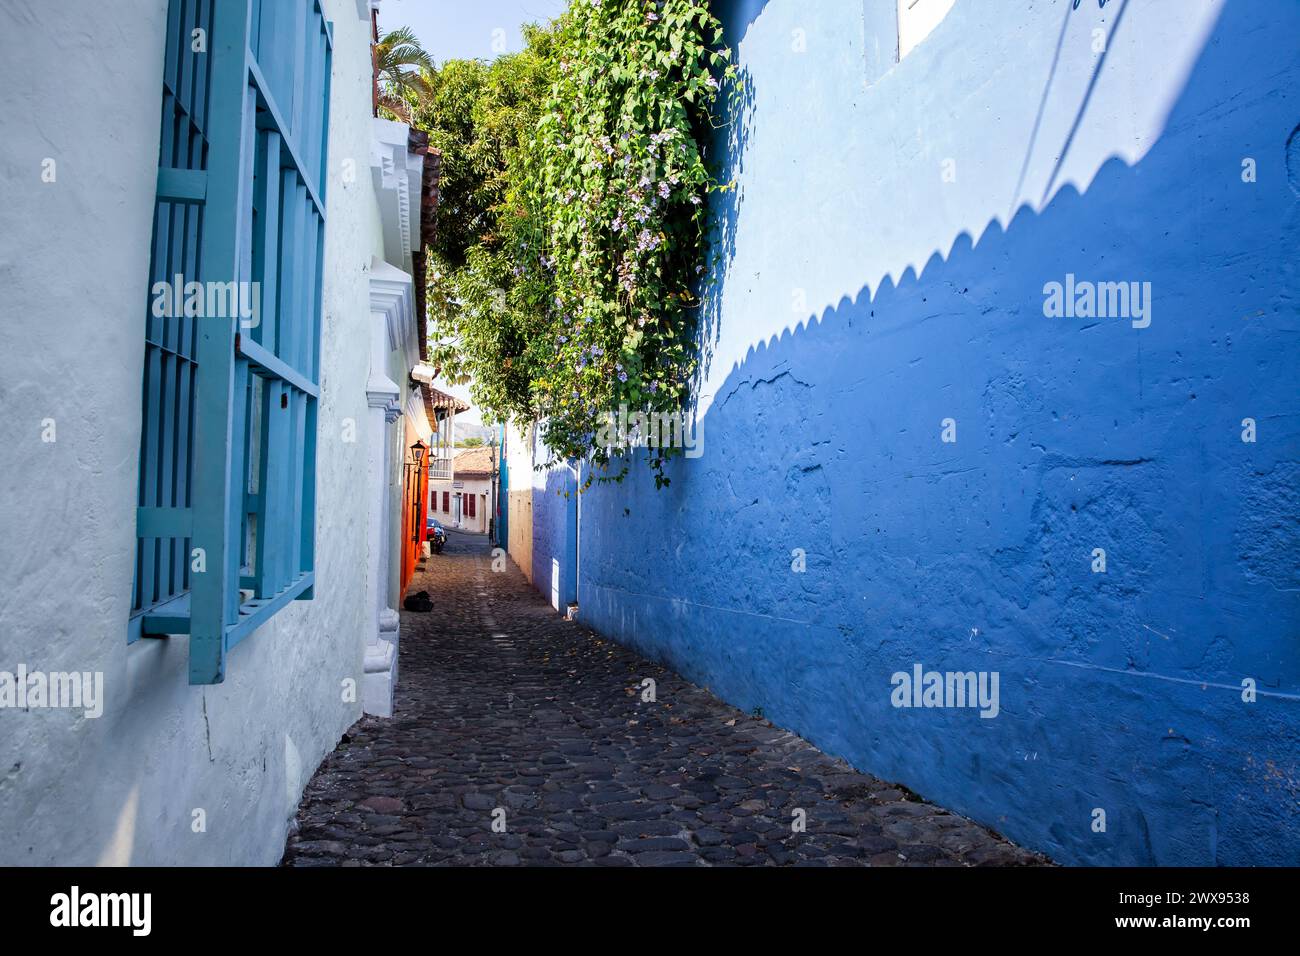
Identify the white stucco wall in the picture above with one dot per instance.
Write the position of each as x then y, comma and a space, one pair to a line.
480, 488
74, 256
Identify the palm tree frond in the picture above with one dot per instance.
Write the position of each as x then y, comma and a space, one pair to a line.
401, 48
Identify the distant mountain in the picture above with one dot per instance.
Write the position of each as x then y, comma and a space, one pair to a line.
483, 432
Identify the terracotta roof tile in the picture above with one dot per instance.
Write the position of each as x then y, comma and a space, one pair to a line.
475, 463
436, 400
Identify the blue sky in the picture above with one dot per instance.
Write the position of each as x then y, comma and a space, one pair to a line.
466, 28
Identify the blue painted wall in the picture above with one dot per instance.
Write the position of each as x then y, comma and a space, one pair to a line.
554, 551
862, 296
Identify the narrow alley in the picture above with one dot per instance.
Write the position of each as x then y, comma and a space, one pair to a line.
508, 715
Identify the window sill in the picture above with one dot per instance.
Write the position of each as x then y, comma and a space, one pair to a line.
174, 616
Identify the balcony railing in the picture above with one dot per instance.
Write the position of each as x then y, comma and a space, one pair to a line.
440, 469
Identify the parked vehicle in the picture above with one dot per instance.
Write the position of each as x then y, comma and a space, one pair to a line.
436, 534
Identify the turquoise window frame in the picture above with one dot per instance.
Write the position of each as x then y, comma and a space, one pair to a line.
225, 522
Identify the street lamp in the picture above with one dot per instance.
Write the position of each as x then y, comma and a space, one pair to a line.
417, 489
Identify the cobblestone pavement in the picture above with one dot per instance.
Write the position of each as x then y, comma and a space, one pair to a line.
502, 705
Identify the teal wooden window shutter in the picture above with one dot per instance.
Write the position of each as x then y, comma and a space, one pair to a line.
225, 521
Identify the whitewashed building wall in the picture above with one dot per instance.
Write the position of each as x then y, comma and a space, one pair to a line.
83, 88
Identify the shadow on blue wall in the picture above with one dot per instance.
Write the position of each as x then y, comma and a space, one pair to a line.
725, 156
1119, 691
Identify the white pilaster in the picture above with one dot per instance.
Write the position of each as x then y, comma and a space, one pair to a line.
392, 302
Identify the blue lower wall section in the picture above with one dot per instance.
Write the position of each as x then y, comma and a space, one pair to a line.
1119, 691
554, 530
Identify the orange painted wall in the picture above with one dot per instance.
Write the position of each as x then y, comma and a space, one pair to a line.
415, 487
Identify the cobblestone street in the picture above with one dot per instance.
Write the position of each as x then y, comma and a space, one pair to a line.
502, 705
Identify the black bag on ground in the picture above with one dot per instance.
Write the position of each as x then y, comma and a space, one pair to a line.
420, 601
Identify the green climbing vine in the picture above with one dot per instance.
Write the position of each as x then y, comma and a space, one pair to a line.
581, 294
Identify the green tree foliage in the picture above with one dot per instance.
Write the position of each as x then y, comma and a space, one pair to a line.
572, 233
481, 117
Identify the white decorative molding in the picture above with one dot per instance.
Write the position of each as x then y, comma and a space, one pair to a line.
382, 392
392, 296
392, 329
380, 667
379, 678
398, 176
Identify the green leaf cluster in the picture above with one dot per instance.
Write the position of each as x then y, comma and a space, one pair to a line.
572, 231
